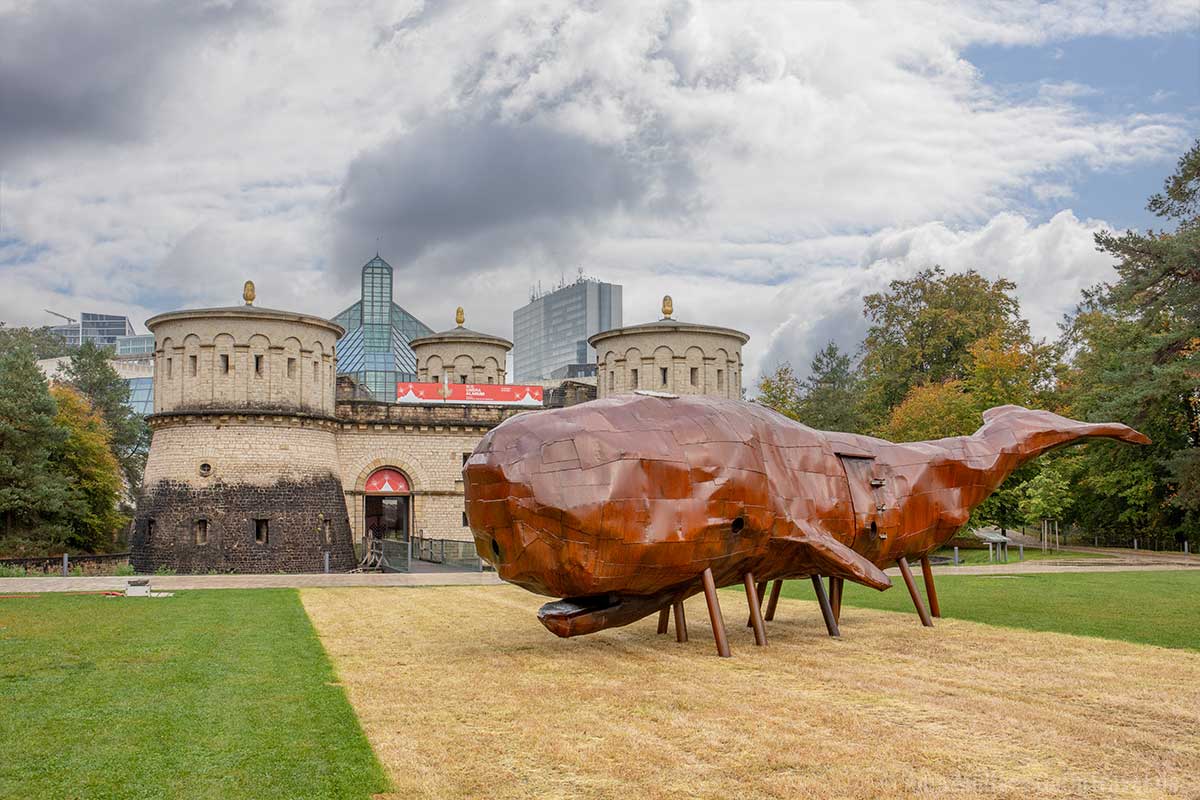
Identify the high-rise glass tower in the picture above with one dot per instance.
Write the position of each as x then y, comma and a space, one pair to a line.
550, 333
375, 349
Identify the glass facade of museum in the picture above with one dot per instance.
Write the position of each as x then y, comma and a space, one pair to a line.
103, 329
141, 395
137, 345
375, 350
550, 333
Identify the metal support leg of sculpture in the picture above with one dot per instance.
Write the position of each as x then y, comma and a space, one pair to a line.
761, 588
826, 611
835, 596
930, 589
680, 623
752, 595
663, 617
912, 590
714, 613
774, 601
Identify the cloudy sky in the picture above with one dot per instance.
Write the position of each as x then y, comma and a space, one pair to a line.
765, 163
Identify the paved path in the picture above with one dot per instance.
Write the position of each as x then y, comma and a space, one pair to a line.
1121, 561
169, 583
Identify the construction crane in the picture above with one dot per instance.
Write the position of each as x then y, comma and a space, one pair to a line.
71, 320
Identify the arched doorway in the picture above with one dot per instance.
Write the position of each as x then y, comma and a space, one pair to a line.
388, 512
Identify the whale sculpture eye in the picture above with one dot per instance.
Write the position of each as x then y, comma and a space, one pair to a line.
737, 525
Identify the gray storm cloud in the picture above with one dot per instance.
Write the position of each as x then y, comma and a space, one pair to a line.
488, 182
89, 72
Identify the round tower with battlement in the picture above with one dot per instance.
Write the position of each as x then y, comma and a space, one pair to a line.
242, 473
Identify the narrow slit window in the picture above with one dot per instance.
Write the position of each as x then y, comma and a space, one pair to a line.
695, 376
192, 365
633, 378
262, 531
720, 379
662, 373
612, 379
464, 519
316, 371
201, 531
327, 531
258, 365
169, 367
149, 529
462, 378
291, 369
224, 364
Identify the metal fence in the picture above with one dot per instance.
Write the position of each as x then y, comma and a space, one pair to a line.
418, 554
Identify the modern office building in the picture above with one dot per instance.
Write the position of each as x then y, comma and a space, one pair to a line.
103, 329
550, 334
375, 350
140, 346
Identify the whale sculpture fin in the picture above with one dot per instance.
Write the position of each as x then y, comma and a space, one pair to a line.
827, 556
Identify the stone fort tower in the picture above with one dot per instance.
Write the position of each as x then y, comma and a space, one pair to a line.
242, 474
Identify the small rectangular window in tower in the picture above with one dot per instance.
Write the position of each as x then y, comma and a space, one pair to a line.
695, 376
327, 531
262, 531
224, 364
633, 378
291, 368
149, 529
720, 379
192, 365
201, 531
436, 379
169, 368
258, 365
489, 379
611, 380
662, 372
462, 378
316, 371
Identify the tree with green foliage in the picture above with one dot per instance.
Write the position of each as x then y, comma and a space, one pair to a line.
85, 460
780, 390
44, 342
1136, 346
90, 372
35, 502
922, 329
829, 396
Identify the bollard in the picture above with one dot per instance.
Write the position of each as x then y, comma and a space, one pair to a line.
66, 565
1135, 544
1020, 552
991, 558
327, 561
956, 556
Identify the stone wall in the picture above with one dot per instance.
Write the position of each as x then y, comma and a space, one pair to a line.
282, 526
695, 359
227, 472
427, 444
248, 357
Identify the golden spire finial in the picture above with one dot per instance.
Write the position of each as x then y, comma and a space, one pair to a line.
248, 293
668, 306
459, 316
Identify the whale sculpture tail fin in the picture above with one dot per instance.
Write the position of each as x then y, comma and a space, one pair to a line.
1028, 433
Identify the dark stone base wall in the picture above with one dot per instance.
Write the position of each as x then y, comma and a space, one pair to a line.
296, 514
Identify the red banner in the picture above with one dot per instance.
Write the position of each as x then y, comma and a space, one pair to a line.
506, 394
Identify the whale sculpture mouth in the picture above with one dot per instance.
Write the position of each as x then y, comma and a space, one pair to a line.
574, 616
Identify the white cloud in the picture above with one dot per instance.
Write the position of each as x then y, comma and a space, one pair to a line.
766, 163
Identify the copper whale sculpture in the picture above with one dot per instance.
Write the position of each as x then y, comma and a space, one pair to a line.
626, 506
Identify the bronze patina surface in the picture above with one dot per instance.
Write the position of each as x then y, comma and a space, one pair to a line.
619, 506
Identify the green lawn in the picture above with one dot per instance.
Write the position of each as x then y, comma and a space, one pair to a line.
1161, 608
977, 557
207, 694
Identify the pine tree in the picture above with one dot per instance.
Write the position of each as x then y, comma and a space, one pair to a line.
35, 501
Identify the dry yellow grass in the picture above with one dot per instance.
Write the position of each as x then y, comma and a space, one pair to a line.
463, 694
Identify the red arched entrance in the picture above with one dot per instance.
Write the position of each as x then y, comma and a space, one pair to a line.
388, 506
